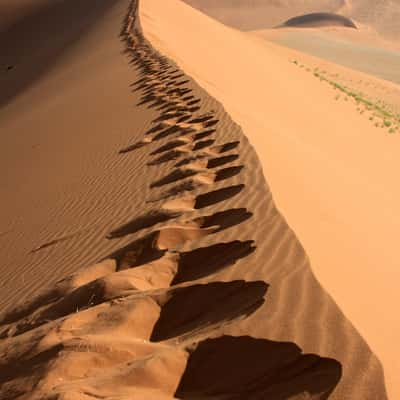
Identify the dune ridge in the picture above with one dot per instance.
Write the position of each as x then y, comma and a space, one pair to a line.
189, 283
319, 19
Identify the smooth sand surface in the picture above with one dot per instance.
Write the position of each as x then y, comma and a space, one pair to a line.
350, 51
333, 175
65, 111
142, 253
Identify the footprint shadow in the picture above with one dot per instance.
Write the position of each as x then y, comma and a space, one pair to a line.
205, 261
248, 368
189, 310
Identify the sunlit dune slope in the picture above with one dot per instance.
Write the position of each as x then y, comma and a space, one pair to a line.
319, 19
66, 108
334, 176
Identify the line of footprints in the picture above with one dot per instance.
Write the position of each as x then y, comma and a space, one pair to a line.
137, 325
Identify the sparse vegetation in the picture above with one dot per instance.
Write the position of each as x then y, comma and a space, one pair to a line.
379, 108
387, 123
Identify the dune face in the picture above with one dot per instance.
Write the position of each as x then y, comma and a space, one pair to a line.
141, 322
319, 19
169, 271
11, 11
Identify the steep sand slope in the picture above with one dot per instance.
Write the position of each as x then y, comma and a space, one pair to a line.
332, 174
200, 289
12, 11
65, 110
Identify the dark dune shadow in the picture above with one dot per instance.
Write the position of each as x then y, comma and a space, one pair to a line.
216, 196
224, 219
204, 261
174, 176
169, 146
145, 221
255, 369
171, 155
319, 19
141, 251
35, 42
196, 307
217, 162
226, 173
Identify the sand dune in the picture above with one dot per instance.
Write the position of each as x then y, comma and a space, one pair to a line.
319, 19
196, 286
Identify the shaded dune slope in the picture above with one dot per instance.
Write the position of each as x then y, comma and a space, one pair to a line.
199, 291
42, 49
319, 19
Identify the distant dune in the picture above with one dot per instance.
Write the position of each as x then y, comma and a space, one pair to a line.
381, 15
319, 19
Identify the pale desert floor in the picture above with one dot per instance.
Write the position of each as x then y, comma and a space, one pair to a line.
333, 45
144, 254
